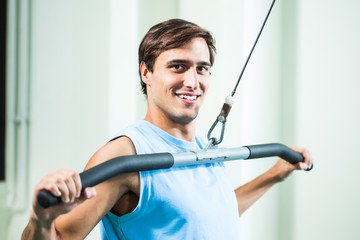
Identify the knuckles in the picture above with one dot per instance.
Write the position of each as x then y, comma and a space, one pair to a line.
56, 178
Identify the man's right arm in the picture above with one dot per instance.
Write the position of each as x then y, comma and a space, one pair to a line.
39, 230
76, 216
64, 183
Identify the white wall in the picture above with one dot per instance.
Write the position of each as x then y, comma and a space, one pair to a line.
328, 110
300, 88
69, 72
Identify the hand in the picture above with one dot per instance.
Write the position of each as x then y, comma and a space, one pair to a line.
61, 183
282, 169
308, 160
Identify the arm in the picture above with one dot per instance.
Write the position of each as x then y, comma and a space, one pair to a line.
77, 215
64, 183
250, 192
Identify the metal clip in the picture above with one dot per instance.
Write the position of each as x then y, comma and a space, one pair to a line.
213, 141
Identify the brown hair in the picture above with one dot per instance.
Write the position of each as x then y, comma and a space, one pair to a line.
171, 34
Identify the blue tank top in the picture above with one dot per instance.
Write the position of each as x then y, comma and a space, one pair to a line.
189, 202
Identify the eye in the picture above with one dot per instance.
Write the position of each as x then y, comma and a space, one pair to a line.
203, 69
178, 68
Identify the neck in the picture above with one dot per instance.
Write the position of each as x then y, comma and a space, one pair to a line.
183, 131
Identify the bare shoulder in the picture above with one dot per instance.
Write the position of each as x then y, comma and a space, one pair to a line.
119, 147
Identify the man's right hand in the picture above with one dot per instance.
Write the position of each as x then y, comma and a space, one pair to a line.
62, 183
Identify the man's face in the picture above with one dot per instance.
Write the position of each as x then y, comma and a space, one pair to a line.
177, 86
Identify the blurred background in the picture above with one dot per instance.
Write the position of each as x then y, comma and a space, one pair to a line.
72, 82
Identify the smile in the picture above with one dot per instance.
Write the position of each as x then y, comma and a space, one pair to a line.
187, 97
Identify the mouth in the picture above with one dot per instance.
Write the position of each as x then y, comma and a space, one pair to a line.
188, 98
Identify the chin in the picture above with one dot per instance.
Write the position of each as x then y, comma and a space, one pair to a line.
185, 119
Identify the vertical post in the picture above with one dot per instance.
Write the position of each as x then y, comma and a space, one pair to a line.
3, 35
288, 111
123, 74
260, 102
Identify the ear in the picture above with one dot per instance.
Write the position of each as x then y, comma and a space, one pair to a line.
145, 73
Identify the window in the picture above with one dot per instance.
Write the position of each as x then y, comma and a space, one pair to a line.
3, 22
14, 100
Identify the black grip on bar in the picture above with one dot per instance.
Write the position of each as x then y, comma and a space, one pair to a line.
112, 168
275, 149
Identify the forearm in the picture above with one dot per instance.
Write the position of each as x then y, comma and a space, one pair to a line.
249, 193
39, 230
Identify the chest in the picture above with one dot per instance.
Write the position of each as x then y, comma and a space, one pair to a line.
189, 195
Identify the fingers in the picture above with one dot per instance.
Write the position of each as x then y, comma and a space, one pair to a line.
62, 183
89, 192
308, 159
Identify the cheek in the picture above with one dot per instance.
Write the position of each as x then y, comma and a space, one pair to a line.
205, 84
172, 82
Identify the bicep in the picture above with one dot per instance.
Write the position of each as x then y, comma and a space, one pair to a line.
80, 221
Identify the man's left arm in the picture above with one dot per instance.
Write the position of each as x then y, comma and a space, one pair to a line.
248, 193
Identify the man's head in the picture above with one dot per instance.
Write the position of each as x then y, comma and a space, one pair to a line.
168, 35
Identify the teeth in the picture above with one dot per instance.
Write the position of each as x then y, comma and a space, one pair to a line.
187, 97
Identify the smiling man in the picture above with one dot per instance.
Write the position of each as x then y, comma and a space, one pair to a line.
177, 86
189, 202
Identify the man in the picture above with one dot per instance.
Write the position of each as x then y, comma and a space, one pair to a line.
192, 202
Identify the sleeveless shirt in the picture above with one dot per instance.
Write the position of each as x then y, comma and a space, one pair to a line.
186, 202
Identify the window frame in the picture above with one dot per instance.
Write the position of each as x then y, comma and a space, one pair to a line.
3, 28
17, 106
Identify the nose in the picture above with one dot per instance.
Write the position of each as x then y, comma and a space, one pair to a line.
191, 79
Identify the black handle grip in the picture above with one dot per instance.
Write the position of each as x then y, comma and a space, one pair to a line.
112, 168
275, 149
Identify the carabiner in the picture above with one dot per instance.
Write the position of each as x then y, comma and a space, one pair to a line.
213, 141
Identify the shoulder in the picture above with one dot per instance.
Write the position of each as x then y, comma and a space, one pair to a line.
118, 147
138, 128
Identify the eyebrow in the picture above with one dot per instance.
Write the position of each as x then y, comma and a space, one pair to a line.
182, 61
